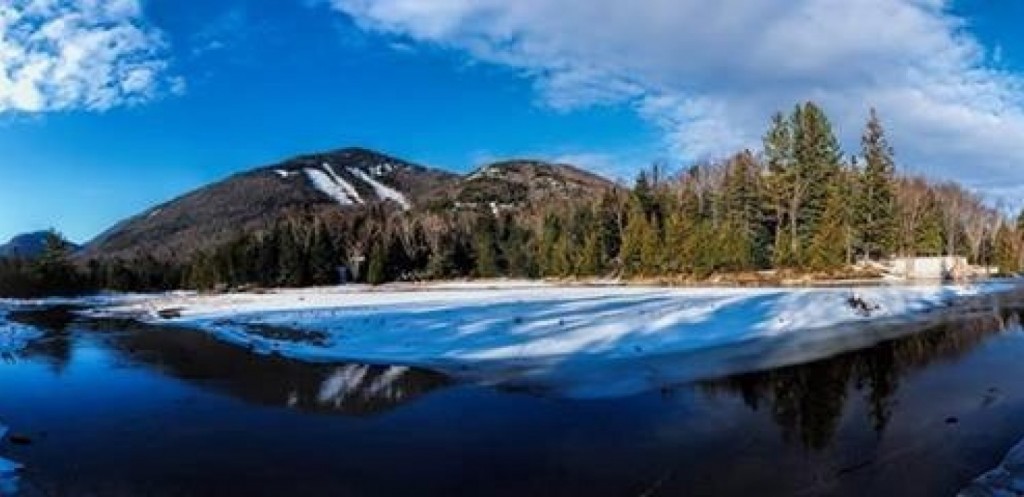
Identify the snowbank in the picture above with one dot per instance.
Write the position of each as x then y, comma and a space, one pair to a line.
1005, 481
549, 331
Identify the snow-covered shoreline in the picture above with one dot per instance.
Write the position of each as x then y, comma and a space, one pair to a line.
459, 324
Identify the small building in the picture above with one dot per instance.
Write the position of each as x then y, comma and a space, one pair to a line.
929, 268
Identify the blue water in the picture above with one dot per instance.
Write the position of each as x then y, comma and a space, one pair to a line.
116, 409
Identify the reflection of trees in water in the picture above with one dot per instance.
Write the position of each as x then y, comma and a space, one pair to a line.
807, 401
351, 389
55, 347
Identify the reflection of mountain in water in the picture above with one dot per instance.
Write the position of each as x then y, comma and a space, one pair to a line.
194, 356
807, 401
349, 389
55, 346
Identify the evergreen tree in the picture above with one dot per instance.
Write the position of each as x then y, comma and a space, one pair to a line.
376, 273
323, 262
292, 261
1007, 250
875, 204
56, 273
827, 250
485, 250
784, 190
817, 158
929, 239
633, 239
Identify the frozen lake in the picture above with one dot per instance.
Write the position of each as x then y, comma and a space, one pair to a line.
113, 408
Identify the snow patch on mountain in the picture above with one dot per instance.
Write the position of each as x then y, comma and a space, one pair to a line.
383, 191
332, 185
382, 169
349, 189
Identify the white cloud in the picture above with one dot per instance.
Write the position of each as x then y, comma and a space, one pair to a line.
710, 73
79, 54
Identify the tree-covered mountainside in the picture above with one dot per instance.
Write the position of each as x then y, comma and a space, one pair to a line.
799, 204
26, 245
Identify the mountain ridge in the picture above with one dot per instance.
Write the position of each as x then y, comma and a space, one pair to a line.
28, 245
330, 183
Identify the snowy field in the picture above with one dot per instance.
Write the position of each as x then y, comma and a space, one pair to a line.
583, 341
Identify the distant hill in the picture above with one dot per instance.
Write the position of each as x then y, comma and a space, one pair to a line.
335, 182
27, 245
521, 182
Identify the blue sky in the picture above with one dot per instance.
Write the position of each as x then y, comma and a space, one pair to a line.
184, 93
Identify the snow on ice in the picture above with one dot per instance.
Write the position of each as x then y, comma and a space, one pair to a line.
1005, 481
583, 341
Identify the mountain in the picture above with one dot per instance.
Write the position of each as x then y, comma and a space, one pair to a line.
520, 182
331, 183
27, 245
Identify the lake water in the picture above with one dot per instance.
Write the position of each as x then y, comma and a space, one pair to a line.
118, 409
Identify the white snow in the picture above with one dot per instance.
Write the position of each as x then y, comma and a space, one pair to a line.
283, 174
14, 337
382, 169
383, 191
349, 189
562, 333
328, 182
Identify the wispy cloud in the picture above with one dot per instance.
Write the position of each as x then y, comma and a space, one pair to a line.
709, 74
79, 54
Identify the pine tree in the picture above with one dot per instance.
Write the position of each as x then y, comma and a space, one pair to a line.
643, 192
633, 239
376, 273
651, 249
875, 204
485, 250
1007, 250
591, 261
929, 239
784, 191
322, 259
818, 157
292, 262
56, 273
827, 249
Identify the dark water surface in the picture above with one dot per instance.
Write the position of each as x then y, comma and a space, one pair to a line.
116, 409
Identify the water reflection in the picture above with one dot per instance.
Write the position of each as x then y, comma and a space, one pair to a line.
353, 389
55, 347
150, 411
807, 401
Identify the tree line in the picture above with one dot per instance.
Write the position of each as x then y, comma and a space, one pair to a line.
799, 204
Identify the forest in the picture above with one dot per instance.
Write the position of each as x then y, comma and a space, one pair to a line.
800, 205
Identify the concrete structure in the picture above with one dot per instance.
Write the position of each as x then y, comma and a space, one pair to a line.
930, 268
